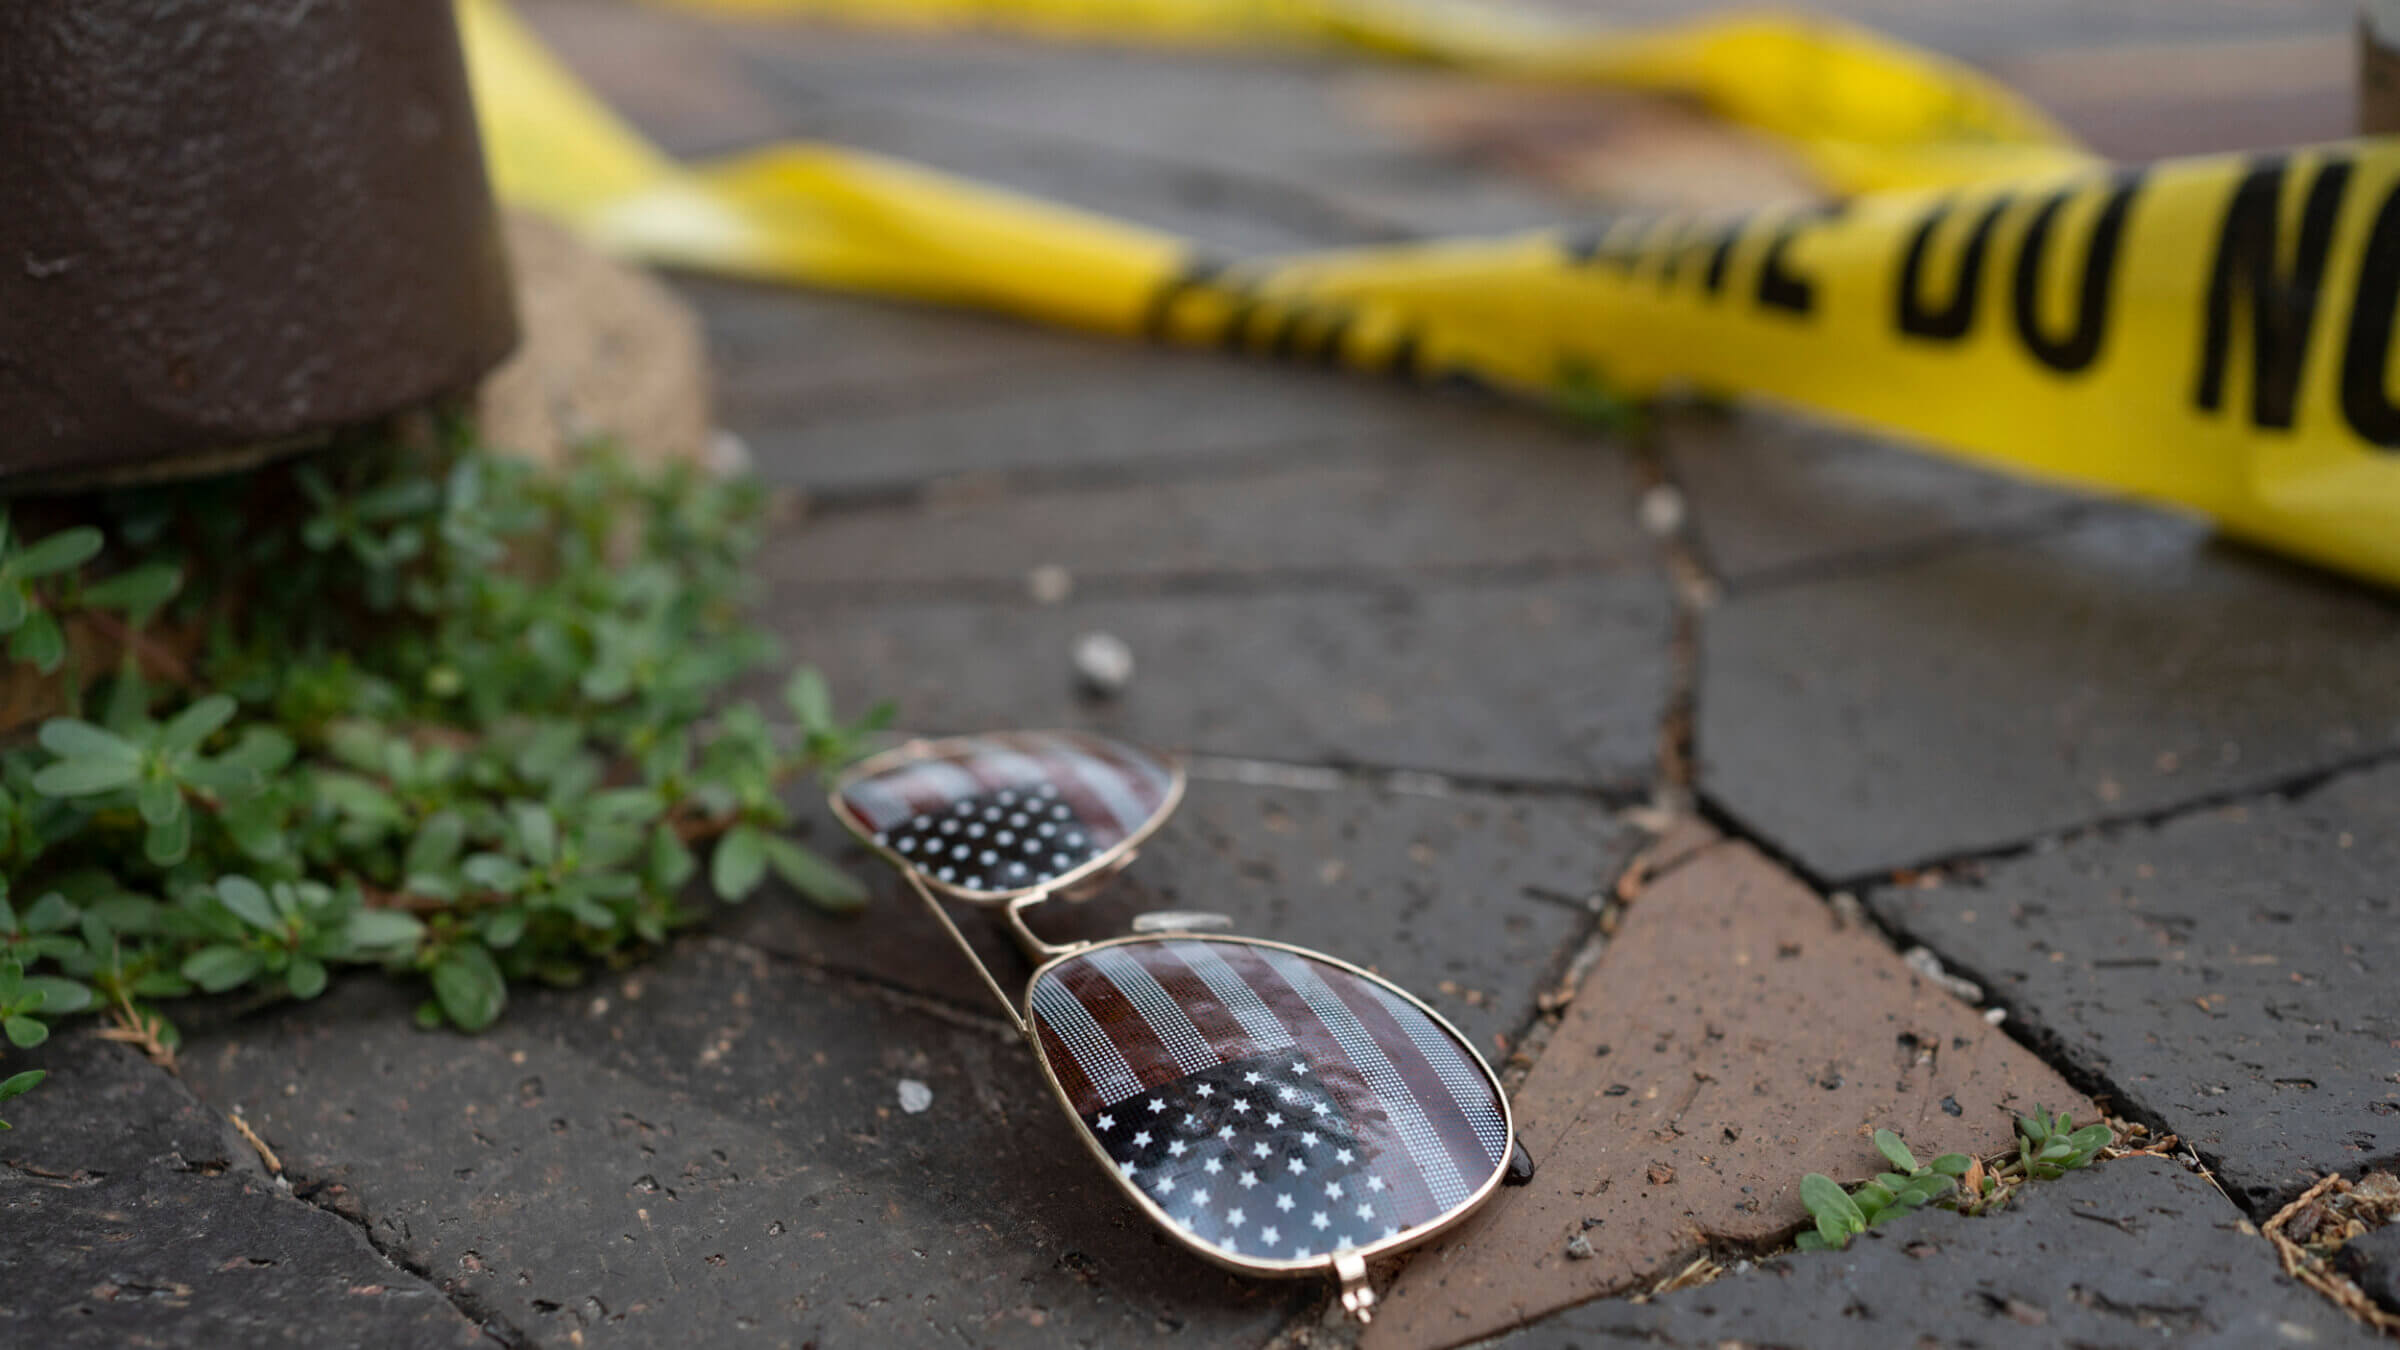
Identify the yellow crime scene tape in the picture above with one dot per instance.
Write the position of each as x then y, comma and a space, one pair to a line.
2213, 333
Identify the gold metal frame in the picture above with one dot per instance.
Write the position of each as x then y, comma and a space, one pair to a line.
1348, 1267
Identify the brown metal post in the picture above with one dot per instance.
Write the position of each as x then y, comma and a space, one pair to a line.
227, 225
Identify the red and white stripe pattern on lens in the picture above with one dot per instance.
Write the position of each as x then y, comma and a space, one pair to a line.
1011, 810
1221, 1075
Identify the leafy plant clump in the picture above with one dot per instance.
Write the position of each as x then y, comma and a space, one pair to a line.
2048, 1146
421, 707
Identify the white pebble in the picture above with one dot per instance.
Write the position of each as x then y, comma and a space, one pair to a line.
914, 1096
1104, 663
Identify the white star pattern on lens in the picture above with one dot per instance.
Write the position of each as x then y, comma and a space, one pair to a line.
1005, 846
1204, 1170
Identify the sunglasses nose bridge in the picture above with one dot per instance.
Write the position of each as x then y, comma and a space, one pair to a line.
1035, 948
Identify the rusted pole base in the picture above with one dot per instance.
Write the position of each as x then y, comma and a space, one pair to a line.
228, 225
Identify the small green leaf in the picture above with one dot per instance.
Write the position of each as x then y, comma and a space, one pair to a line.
428, 1015
671, 863
85, 777
58, 553
221, 966
248, 901
18, 1084
196, 723
468, 985
494, 872
159, 800
1953, 1164
49, 914
1826, 1199
39, 642
1872, 1199
73, 738
436, 844
504, 927
26, 1032
168, 841
1926, 1189
810, 701
537, 832
2091, 1138
305, 978
1812, 1242
136, 590
60, 995
1888, 1144
740, 862
827, 885
370, 929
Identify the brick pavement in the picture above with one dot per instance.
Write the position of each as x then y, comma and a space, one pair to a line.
1437, 671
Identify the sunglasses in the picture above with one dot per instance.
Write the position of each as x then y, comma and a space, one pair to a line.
1276, 1111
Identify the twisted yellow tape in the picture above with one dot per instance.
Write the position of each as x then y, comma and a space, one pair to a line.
2213, 333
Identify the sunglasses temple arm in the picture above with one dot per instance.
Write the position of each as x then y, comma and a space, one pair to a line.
942, 915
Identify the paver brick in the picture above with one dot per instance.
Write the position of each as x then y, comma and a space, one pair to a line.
1124, 412
1481, 492
2231, 973
1469, 901
1734, 1035
1555, 681
2131, 1252
714, 1147
1775, 497
2001, 693
135, 1216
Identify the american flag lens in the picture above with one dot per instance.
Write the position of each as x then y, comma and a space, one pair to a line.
1276, 1110
995, 816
